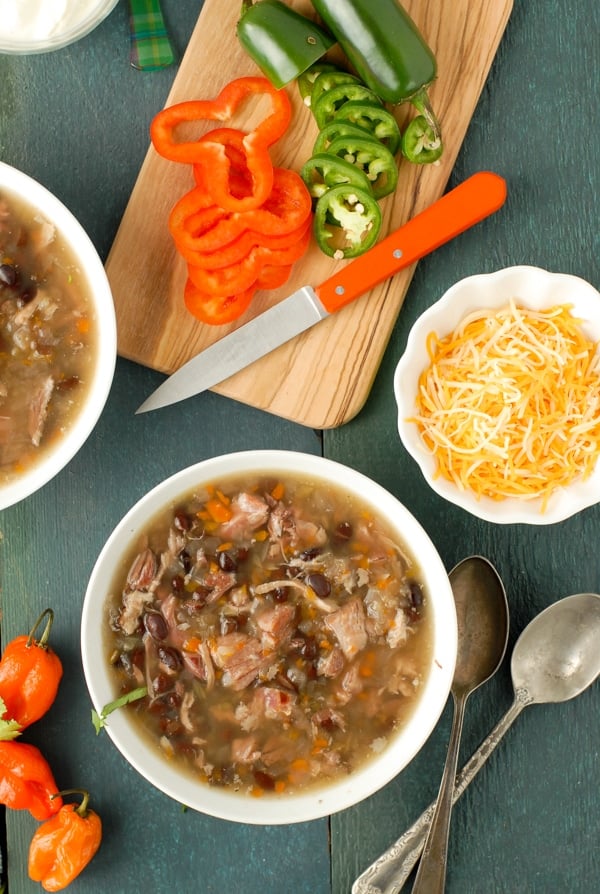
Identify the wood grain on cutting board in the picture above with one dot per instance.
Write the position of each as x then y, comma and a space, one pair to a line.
323, 377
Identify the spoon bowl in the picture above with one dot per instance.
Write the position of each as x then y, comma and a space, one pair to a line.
551, 674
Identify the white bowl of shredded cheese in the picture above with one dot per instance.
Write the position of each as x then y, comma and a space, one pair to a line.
498, 395
38, 26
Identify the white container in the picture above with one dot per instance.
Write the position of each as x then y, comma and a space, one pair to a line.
533, 288
39, 26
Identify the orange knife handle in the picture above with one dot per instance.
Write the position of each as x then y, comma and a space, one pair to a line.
455, 212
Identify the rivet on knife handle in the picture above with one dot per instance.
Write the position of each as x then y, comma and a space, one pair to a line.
150, 47
461, 208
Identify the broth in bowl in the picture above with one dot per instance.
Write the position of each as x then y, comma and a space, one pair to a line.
48, 339
281, 629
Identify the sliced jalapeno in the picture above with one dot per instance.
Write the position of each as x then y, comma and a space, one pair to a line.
282, 42
347, 221
336, 128
329, 103
327, 80
370, 156
307, 79
420, 143
375, 119
323, 171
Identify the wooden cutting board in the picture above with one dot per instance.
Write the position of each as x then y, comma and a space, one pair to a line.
322, 378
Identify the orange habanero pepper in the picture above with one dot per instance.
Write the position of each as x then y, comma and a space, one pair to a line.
26, 781
63, 846
29, 674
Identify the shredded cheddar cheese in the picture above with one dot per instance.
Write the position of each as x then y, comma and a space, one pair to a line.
510, 403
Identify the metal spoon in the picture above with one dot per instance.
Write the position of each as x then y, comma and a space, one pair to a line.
556, 658
482, 615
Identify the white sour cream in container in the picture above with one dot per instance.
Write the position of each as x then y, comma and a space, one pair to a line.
38, 26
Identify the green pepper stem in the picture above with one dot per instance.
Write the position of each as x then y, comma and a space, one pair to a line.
42, 642
81, 809
420, 101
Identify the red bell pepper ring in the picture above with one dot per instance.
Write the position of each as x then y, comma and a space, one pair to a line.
237, 277
223, 184
240, 247
274, 277
198, 226
222, 108
216, 310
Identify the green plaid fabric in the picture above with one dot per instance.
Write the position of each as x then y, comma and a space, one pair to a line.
150, 45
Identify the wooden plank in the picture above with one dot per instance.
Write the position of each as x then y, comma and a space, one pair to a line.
323, 377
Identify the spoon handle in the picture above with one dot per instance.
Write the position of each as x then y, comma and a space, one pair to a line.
389, 873
431, 875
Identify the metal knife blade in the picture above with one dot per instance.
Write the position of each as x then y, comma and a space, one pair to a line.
461, 208
250, 342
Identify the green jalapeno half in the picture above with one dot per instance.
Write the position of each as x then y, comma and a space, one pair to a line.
330, 102
347, 221
324, 171
374, 119
282, 42
371, 157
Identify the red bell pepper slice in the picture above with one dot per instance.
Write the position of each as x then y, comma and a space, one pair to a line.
216, 310
222, 108
240, 247
221, 182
197, 226
240, 276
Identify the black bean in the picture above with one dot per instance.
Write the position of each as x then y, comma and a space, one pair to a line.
265, 780
169, 657
311, 553
416, 593
8, 274
228, 625
178, 584
280, 594
26, 295
182, 521
343, 531
226, 561
186, 560
319, 583
156, 625
160, 684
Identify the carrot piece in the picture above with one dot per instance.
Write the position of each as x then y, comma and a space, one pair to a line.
218, 511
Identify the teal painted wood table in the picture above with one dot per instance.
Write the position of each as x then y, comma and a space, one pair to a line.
77, 120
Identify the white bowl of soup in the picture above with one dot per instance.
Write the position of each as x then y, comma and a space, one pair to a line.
286, 631
498, 395
57, 336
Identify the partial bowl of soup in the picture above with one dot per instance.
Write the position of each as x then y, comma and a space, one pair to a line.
57, 336
277, 632
498, 395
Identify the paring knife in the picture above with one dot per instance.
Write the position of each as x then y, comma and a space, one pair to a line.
461, 208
